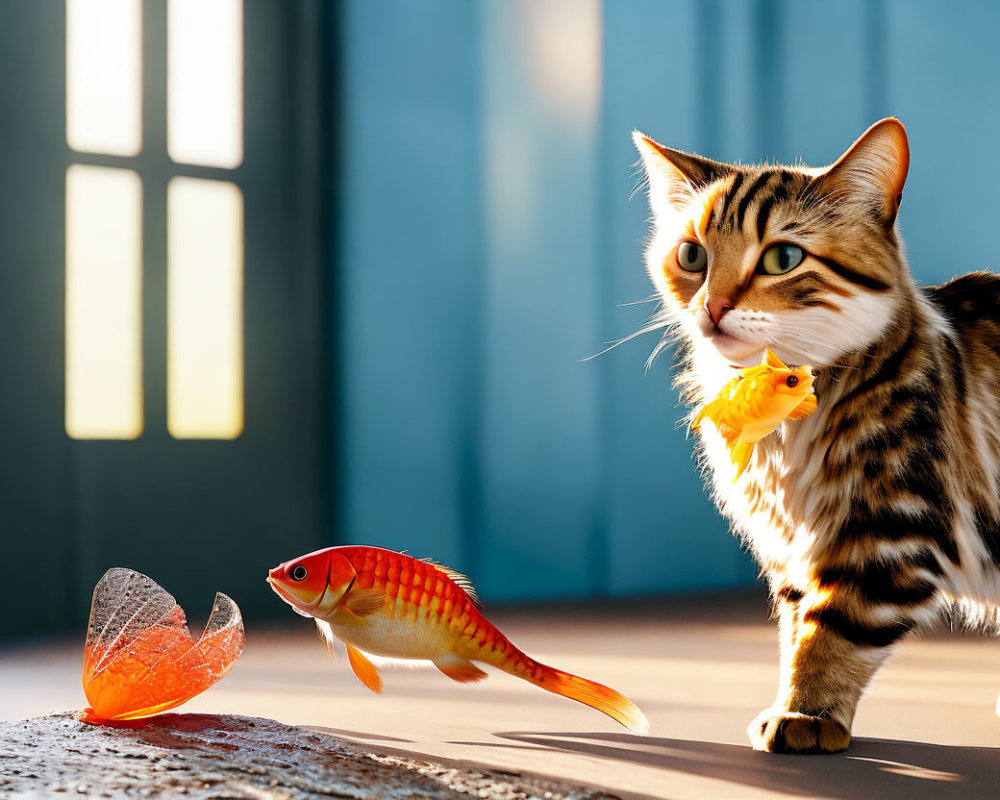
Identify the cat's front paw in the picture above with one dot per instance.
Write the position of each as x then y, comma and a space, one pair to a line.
788, 732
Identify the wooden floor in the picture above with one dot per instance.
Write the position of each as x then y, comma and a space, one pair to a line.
700, 671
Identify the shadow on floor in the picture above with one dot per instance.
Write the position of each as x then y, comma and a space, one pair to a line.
879, 768
357, 735
871, 768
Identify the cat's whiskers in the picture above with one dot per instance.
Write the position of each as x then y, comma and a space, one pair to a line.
659, 320
670, 335
653, 298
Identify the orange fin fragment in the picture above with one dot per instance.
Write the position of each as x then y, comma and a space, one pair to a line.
740, 454
459, 669
364, 669
140, 659
805, 408
364, 602
772, 360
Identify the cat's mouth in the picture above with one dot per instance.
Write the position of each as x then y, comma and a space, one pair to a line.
737, 352
741, 354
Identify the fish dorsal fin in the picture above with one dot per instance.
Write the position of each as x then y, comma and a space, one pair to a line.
363, 602
772, 360
462, 581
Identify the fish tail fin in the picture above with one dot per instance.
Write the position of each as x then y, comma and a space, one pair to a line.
740, 454
593, 694
696, 422
590, 693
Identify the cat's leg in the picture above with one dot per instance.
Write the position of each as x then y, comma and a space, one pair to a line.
830, 648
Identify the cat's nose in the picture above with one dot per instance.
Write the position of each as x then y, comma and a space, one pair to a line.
717, 308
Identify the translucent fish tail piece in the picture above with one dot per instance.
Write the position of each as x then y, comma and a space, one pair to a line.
140, 659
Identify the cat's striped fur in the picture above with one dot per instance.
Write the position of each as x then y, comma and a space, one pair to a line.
881, 510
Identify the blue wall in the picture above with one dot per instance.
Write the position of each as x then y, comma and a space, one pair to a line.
409, 317
489, 239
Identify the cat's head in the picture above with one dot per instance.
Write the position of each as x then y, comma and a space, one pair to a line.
803, 261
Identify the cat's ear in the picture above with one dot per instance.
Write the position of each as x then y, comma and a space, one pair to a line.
873, 169
674, 176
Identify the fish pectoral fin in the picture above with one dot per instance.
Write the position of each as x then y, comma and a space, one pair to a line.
805, 408
363, 602
459, 669
364, 669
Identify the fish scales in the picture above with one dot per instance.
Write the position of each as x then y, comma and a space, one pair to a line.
417, 583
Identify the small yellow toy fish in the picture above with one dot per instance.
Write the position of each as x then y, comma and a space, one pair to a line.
756, 402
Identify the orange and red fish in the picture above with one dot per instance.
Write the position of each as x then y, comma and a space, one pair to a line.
388, 604
756, 402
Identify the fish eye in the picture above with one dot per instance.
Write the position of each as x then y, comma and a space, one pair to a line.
781, 258
298, 573
792, 381
691, 257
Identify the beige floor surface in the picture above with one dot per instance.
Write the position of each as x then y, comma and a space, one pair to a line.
700, 670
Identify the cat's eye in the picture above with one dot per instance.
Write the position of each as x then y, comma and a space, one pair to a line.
691, 257
781, 258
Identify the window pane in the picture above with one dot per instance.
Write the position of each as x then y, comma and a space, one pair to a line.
205, 82
103, 303
204, 309
104, 76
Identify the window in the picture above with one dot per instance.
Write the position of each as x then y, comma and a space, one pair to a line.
104, 220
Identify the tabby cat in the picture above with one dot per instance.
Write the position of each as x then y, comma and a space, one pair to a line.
881, 511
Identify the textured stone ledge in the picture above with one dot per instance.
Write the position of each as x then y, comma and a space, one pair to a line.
207, 756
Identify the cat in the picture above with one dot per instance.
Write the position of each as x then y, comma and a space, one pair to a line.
880, 512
